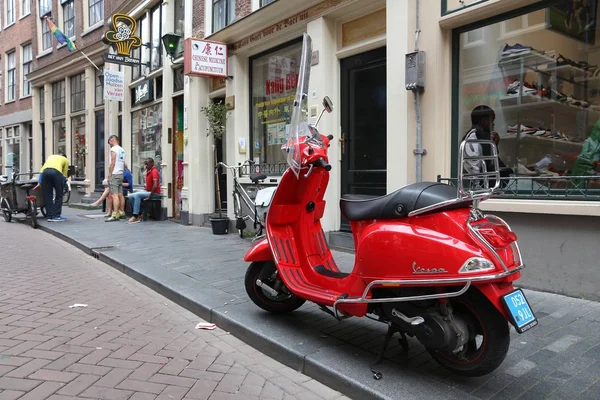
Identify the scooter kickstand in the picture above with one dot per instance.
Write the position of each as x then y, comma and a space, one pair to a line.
388, 336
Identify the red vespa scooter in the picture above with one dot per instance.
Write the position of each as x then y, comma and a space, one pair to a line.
428, 262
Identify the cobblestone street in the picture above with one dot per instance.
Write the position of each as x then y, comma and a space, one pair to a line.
128, 343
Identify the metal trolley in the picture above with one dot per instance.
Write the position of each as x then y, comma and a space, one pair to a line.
16, 197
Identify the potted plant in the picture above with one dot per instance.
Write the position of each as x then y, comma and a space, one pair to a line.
216, 115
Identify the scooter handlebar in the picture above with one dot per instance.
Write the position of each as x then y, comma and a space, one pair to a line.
321, 163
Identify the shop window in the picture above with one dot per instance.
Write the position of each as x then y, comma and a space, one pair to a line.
60, 137
540, 92
27, 58
179, 14
474, 38
13, 149
10, 12
42, 104
159, 87
11, 75
58, 98
25, 7
78, 146
68, 9
146, 128
273, 78
78, 92
99, 93
156, 44
223, 12
96, 11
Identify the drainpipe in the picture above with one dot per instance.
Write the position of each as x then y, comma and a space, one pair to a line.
415, 82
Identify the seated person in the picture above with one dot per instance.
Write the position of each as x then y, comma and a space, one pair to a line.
152, 190
588, 160
127, 188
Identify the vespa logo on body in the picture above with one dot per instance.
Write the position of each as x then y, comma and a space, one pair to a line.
420, 270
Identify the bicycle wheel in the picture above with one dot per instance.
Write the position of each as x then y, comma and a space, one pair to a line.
6, 210
240, 224
66, 193
32, 212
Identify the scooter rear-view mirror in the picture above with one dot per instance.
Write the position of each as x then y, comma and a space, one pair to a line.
328, 104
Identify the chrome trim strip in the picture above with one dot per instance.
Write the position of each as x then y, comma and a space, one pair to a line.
467, 281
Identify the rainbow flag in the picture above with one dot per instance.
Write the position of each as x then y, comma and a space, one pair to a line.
62, 39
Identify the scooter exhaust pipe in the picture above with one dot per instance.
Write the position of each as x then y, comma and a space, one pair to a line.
267, 288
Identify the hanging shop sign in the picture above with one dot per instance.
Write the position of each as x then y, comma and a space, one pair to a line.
114, 85
122, 38
143, 92
205, 58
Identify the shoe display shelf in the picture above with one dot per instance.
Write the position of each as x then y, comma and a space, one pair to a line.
548, 113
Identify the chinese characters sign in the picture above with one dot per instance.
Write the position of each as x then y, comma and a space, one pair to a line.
205, 58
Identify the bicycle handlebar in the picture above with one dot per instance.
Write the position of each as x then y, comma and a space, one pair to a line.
234, 167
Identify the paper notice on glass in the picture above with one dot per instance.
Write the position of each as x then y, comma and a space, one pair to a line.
242, 145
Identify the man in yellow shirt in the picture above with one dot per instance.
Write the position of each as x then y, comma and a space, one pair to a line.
53, 175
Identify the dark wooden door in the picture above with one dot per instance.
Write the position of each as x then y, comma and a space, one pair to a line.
364, 128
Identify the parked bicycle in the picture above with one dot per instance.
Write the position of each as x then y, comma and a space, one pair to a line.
259, 206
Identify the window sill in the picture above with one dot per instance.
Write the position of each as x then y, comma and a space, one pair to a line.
92, 28
8, 26
560, 207
9, 101
44, 53
25, 97
26, 15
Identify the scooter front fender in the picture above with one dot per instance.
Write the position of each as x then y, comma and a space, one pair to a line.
260, 251
494, 293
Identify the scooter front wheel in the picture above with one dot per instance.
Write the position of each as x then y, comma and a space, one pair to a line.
282, 302
489, 337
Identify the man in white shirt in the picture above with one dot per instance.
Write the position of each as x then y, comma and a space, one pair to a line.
115, 177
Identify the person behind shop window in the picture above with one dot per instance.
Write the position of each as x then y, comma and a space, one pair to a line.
52, 177
115, 178
152, 190
588, 160
482, 125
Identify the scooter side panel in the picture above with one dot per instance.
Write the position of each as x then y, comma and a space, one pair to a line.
260, 251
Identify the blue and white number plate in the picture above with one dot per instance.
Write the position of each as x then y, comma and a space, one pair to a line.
518, 309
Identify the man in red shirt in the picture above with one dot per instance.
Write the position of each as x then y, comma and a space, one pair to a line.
152, 190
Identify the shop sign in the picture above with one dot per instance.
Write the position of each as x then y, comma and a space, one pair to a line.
301, 17
205, 58
122, 38
143, 92
114, 85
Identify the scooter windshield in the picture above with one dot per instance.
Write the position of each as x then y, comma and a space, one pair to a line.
299, 129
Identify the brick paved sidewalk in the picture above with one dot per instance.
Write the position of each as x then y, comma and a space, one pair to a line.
128, 343
558, 358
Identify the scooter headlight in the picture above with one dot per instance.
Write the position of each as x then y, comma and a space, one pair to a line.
476, 264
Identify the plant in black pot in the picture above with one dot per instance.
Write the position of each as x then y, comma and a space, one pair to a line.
216, 115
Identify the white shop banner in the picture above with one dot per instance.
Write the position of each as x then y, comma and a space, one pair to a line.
205, 58
114, 85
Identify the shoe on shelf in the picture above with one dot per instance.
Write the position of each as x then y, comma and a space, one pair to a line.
513, 89
517, 48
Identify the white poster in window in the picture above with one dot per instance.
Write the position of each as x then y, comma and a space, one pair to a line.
114, 85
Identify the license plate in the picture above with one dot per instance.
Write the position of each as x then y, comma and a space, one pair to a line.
519, 311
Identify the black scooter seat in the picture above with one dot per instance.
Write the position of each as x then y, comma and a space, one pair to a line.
398, 204
257, 177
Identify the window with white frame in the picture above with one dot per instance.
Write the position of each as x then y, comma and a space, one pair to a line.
223, 13
96, 11
45, 7
68, 9
58, 98
27, 58
265, 2
10, 11
78, 92
25, 7
46, 36
11, 74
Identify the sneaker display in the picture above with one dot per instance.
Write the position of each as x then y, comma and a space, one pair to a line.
513, 89
544, 163
517, 48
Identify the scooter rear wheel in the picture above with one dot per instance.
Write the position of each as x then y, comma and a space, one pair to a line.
266, 272
489, 337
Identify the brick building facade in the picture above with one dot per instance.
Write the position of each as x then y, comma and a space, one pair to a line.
16, 60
